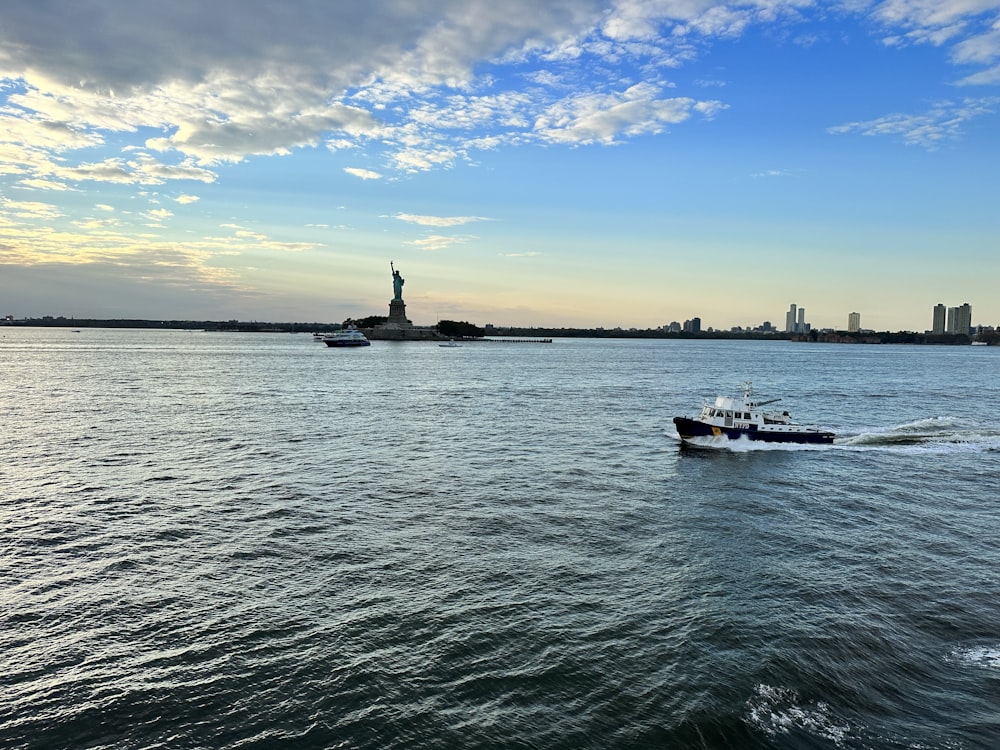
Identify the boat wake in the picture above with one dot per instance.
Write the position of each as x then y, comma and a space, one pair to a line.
936, 434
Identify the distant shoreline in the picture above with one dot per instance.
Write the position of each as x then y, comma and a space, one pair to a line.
817, 336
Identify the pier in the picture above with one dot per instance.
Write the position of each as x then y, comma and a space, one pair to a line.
515, 341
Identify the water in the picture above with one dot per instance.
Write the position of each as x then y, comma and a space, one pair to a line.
250, 540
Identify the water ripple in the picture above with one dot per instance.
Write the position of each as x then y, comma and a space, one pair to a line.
247, 541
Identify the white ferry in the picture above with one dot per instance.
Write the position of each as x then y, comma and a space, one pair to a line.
737, 417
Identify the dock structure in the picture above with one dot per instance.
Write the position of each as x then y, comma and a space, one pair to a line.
504, 340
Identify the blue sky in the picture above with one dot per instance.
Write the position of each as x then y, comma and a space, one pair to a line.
533, 162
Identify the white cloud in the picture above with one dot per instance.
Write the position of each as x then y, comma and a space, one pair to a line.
982, 49
222, 83
244, 238
245, 234
773, 173
439, 221
966, 23
545, 78
438, 242
38, 183
229, 80
420, 84
943, 122
718, 21
605, 118
419, 159
654, 20
364, 174
931, 13
186, 199
30, 209
96, 223
339, 144
142, 170
461, 112
987, 77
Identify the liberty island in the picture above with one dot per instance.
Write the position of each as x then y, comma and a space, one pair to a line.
397, 326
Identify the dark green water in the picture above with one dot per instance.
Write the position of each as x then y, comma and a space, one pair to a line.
250, 540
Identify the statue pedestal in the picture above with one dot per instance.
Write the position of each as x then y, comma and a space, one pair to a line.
397, 314
398, 328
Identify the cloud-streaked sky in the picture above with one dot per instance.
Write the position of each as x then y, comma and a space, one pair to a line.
529, 162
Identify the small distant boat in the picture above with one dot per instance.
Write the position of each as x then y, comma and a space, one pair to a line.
450, 343
735, 417
980, 343
350, 336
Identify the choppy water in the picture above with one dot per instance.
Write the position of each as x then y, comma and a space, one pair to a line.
250, 540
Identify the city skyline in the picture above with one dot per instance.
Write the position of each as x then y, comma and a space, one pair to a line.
574, 163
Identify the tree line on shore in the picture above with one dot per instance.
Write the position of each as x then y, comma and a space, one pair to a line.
464, 329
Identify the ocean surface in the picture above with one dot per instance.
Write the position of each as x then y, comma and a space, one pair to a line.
231, 540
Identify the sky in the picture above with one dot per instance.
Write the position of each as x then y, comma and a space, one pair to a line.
575, 163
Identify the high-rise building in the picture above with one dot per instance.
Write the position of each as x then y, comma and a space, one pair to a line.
790, 319
963, 319
853, 322
693, 325
939, 320
955, 320
795, 320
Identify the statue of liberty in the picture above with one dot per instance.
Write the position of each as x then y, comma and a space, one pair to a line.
397, 283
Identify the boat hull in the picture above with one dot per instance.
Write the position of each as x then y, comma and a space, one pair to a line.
689, 428
347, 343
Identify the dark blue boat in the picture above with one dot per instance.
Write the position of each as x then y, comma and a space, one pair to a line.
736, 417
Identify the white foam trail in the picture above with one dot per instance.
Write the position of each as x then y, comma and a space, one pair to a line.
987, 657
778, 711
750, 446
933, 435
